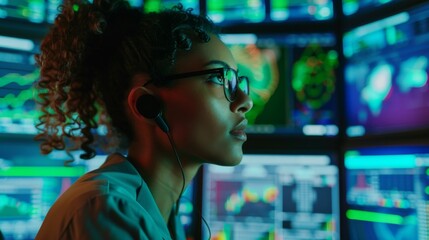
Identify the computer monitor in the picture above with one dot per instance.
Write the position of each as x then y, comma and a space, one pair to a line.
53, 5
352, 7
188, 210
27, 193
310, 10
386, 74
30, 183
158, 5
17, 76
293, 80
273, 196
387, 192
226, 12
25, 10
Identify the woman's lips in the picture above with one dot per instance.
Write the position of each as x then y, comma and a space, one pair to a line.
239, 131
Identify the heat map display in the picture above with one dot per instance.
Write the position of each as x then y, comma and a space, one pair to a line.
273, 197
293, 81
387, 87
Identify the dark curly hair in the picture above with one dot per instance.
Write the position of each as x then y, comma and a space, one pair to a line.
88, 59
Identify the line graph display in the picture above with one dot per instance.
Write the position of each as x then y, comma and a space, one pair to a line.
17, 76
387, 193
27, 193
273, 197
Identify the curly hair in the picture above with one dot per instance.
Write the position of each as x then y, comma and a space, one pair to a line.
88, 59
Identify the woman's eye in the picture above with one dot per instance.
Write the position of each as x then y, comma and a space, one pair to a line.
216, 79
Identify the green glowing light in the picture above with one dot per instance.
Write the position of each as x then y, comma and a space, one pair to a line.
313, 77
374, 217
214, 5
21, 80
351, 153
152, 6
18, 100
75, 7
279, 4
42, 171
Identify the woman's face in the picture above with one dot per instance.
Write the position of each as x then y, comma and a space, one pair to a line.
204, 124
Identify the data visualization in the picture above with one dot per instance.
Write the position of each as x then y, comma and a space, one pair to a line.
27, 193
273, 197
386, 80
293, 79
387, 193
17, 76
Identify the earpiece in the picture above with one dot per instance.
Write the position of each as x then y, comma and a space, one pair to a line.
150, 107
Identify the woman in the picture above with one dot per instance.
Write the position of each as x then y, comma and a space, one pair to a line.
165, 85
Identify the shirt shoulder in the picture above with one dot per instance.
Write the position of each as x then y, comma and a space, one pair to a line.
108, 203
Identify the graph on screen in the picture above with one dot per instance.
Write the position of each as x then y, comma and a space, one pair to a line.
17, 76
27, 193
292, 81
387, 193
273, 197
224, 11
312, 10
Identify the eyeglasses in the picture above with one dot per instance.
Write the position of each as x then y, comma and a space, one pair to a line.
230, 79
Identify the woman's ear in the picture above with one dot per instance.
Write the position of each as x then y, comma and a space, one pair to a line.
148, 106
134, 96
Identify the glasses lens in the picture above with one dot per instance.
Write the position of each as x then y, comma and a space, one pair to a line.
244, 84
230, 84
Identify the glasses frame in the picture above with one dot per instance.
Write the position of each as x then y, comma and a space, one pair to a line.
229, 95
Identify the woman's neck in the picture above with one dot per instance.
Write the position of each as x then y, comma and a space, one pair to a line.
163, 176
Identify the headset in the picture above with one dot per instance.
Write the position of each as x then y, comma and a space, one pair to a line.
150, 107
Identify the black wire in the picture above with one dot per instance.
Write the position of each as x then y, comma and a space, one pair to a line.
170, 138
207, 225
173, 145
200, 215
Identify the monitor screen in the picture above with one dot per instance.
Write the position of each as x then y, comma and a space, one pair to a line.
52, 7
187, 211
30, 183
351, 7
23, 10
158, 5
273, 197
292, 81
387, 193
17, 76
236, 11
310, 10
27, 193
386, 74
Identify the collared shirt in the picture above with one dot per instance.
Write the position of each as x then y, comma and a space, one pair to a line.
112, 202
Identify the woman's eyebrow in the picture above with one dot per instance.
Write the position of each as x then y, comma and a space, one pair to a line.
217, 62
